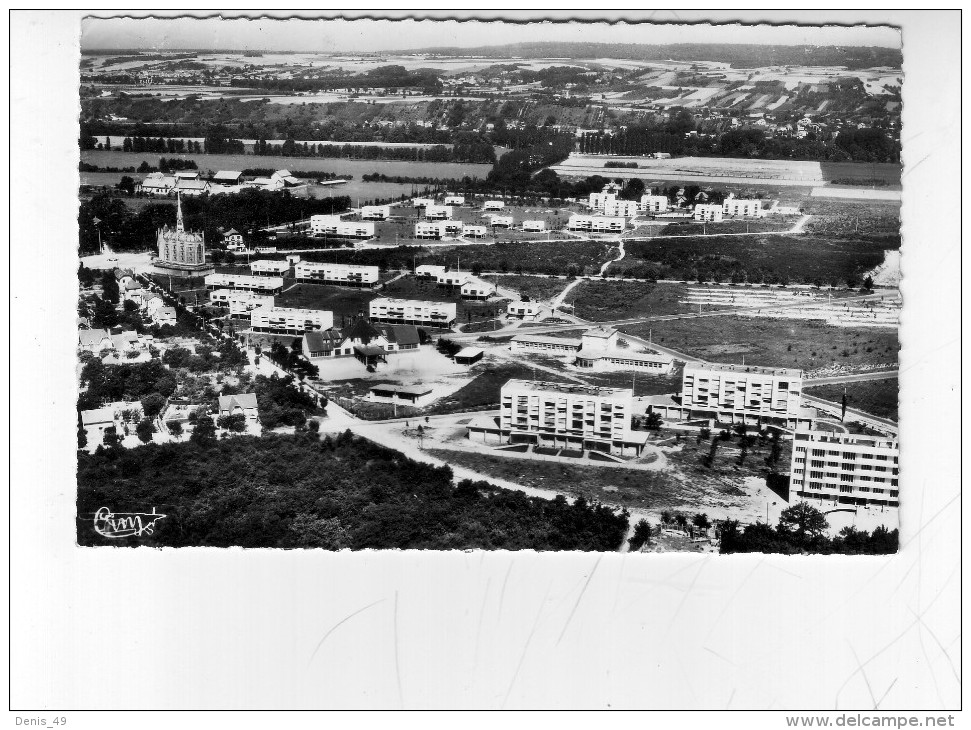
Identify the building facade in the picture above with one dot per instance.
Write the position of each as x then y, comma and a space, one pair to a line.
846, 468
267, 267
239, 302
376, 212
341, 274
654, 203
708, 213
742, 393
244, 282
332, 225
290, 320
748, 208
410, 311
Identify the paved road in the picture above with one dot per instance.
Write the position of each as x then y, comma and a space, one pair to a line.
859, 377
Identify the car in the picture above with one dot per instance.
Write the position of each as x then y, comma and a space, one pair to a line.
112, 258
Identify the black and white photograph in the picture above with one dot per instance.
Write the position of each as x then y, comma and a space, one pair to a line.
632, 290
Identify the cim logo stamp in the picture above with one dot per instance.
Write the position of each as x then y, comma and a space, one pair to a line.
125, 524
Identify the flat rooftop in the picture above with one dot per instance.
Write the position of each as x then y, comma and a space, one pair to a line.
543, 386
742, 369
831, 437
423, 302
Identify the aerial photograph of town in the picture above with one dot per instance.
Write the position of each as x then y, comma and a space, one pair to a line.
551, 295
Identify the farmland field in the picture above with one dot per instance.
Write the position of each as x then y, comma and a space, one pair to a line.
878, 397
807, 344
601, 301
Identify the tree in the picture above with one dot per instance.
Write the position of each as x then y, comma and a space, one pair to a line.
641, 536
82, 435
144, 430
175, 428
701, 521
152, 405
653, 421
235, 422
803, 520
111, 437
681, 520
421, 436
204, 433
868, 283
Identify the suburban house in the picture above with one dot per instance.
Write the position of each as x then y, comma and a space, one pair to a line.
243, 403
94, 340
192, 187
423, 202
124, 277
290, 320
409, 311
454, 200
501, 221
233, 238
164, 316
368, 342
342, 274
95, 422
474, 231
429, 271
474, 288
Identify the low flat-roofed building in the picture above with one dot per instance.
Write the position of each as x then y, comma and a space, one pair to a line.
474, 231
493, 205
743, 393
239, 302
468, 355
596, 223
534, 226
422, 202
290, 320
412, 311
524, 310
429, 229
502, 221
268, 267
429, 271
260, 284
96, 421
339, 274
474, 288
228, 177
438, 212
545, 342
846, 468
333, 225
376, 212
454, 200
411, 395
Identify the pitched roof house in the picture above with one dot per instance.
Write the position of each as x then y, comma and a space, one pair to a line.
243, 403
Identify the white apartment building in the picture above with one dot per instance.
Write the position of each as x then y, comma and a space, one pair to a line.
453, 278
568, 416
244, 282
430, 229
475, 288
709, 213
290, 320
438, 212
493, 205
267, 267
624, 208
847, 468
598, 200
595, 224
654, 203
475, 231
410, 311
239, 302
454, 200
340, 274
524, 310
376, 212
501, 221
742, 393
332, 225
429, 271
742, 207
534, 226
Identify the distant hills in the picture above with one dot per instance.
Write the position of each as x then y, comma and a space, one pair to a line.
738, 55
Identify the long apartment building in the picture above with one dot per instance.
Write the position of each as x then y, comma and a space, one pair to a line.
623, 208
568, 416
742, 393
341, 274
267, 267
332, 225
596, 223
375, 212
438, 229
748, 208
847, 468
412, 311
438, 212
245, 282
239, 302
290, 320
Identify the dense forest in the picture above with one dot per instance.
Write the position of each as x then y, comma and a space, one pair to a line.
300, 492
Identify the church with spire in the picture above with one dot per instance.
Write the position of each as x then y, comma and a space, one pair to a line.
181, 252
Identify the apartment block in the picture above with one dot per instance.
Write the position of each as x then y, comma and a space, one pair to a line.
654, 203
534, 226
266, 267
339, 274
376, 212
438, 212
708, 213
411, 311
239, 302
454, 200
493, 205
332, 225
624, 208
595, 224
597, 200
742, 393
748, 208
568, 416
244, 282
290, 320
846, 468
475, 231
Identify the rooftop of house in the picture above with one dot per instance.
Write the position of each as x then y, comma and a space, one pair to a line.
323, 340
92, 337
241, 400
97, 416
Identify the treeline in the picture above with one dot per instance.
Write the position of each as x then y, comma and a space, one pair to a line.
393, 77
309, 174
125, 229
801, 529
478, 151
300, 492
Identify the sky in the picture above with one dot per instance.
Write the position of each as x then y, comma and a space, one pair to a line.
364, 35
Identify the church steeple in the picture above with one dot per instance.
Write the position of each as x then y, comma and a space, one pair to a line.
179, 227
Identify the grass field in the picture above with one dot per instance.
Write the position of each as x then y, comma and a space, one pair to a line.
537, 288
764, 225
771, 258
878, 397
793, 343
341, 300
484, 388
601, 301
